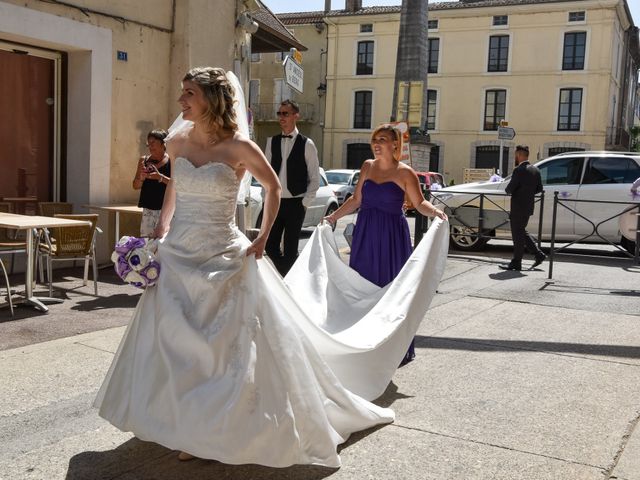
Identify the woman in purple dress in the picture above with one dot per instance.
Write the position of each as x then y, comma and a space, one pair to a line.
381, 243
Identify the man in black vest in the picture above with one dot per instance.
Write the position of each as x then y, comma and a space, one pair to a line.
524, 185
294, 157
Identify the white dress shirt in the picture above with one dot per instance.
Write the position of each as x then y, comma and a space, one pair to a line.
313, 166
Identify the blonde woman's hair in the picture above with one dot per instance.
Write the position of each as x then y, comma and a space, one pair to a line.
395, 133
219, 94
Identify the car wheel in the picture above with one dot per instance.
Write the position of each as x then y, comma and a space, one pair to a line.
628, 245
330, 209
347, 197
259, 220
463, 238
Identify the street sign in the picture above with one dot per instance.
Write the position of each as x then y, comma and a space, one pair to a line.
506, 133
297, 56
293, 74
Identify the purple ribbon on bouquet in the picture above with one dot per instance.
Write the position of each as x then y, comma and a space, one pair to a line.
135, 261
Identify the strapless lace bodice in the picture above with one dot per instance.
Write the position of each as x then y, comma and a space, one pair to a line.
205, 194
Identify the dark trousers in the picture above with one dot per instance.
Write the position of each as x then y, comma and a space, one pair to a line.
522, 240
288, 222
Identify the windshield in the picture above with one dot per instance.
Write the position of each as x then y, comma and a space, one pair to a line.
337, 178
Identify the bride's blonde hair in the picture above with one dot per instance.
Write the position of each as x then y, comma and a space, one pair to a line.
219, 94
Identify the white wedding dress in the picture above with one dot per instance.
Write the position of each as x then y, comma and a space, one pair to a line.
223, 360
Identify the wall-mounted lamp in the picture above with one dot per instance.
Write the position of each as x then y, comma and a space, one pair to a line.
322, 89
246, 23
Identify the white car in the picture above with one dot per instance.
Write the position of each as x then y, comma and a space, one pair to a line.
599, 176
343, 182
323, 204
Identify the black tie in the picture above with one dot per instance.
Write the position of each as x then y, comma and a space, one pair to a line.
287, 136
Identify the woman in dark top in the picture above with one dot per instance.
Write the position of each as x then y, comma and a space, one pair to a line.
152, 176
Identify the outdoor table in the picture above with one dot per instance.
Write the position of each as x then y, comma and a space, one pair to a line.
31, 223
117, 209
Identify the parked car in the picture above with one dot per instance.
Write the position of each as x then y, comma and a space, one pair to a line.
343, 183
323, 204
600, 176
428, 181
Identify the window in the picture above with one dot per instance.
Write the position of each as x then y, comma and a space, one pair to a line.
432, 100
434, 161
254, 92
357, 153
574, 49
432, 24
570, 109
365, 58
489, 157
366, 28
498, 53
362, 110
255, 57
611, 170
563, 171
323, 182
576, 16
499, 20
434, 55
558, 150
494, 108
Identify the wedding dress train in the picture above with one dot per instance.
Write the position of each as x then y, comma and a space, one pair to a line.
224, 361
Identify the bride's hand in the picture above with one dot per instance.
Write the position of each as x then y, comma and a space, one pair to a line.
257, 247
160, 231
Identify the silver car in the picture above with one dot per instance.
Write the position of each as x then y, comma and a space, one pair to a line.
599, 176
343, 182
323, 204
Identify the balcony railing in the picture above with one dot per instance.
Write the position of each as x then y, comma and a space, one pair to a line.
266, 112
618, 138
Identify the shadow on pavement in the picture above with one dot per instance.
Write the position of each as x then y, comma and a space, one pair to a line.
137, 460
390, 395
119, 300
506, 275
553, 287
480, 345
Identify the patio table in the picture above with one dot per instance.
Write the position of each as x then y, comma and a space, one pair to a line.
31, 224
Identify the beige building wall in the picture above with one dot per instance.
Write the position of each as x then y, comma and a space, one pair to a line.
342, 81
269, 73
532, 81
111, 104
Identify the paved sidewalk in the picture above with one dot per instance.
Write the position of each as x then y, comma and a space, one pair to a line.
516, 378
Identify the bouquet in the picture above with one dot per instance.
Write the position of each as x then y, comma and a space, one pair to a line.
135, 261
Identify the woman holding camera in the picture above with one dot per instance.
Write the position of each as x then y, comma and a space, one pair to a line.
152, 176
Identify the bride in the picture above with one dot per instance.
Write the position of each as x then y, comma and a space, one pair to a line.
221, 360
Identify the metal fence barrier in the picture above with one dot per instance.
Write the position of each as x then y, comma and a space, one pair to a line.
486, 221
594, 227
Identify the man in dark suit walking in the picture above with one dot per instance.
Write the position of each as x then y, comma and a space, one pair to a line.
294, 158
524, 185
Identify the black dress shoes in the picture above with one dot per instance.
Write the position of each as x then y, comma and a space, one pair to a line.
512, 266
540, 257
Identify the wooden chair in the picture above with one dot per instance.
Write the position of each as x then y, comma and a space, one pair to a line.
72, 243
51, 209
9, 242
6, 279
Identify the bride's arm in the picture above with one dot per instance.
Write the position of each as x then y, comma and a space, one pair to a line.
256, 163
169, 202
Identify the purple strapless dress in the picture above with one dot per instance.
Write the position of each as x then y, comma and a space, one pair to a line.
381, 242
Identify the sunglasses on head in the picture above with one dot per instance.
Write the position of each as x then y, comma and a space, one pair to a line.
283, 114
